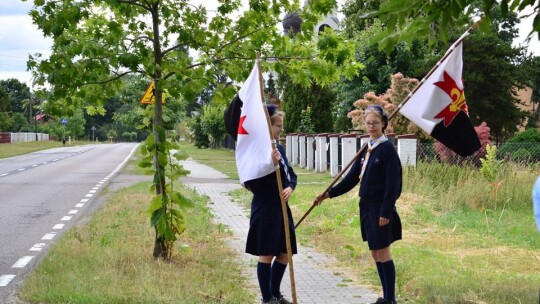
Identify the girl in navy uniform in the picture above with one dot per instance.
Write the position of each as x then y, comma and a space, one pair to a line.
378, 169
266, 236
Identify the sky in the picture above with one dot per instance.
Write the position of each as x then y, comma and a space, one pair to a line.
19, 38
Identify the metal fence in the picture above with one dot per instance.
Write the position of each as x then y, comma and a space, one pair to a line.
527, 153
7, 137
331, 152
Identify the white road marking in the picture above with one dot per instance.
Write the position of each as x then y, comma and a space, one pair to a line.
66, 218
73, 211
4, 174
37, 247
92, 191
79, 205
22, 169
22, 262
58, 226
49, 236
84, 200
5, 279
89, 195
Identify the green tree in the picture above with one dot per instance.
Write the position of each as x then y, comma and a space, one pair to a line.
297, 99
212, 91
212, 124
75, 126
97, 43
411, 59
306, 125
17, 92
6, 122
128, 113
271, 85
5, 106
20, 124
112, 135
407, 20
491, 82
198, 135
533, 64
492, 78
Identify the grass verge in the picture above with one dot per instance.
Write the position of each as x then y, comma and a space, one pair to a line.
9, 150
109, 259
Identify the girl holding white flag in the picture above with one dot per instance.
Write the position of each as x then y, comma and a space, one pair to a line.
266, 236
378, 170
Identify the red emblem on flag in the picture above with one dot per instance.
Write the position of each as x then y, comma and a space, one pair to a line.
241, 129
458, 103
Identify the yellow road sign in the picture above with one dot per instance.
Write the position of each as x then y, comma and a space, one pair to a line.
149, 96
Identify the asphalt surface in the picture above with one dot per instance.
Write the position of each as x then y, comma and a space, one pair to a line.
42, 195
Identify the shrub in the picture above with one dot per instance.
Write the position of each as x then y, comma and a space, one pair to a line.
490, 165
523, 147
521, 155
199, 137
213, 125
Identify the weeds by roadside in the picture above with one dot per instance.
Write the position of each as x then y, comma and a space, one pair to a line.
109, 260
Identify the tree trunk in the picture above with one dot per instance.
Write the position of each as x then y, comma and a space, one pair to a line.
160, 248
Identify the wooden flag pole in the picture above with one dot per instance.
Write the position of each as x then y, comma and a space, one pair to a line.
332, 183
280, 189
450, 50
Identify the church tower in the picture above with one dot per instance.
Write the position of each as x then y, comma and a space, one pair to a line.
293, 22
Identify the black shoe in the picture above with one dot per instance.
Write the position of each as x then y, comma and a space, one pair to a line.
273, 300
282, 299
379, 301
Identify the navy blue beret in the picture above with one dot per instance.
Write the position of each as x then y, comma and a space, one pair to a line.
272, 109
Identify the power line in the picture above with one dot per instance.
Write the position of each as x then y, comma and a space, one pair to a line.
11, 56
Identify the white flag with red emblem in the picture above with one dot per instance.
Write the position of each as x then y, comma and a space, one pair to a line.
439, 107
253, 145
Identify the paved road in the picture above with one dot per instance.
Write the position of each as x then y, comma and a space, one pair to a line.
44, 193
317, 278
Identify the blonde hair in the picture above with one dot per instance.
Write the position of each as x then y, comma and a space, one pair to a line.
379, 111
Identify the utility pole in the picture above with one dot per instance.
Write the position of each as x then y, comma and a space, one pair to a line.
35, 114
32, 96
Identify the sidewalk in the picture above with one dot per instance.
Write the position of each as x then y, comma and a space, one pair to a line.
316, 280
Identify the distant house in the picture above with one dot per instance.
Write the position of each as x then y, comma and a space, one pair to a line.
42, 118
526, 104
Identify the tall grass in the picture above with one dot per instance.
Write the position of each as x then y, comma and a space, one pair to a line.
465, 240
452, 187
109, 260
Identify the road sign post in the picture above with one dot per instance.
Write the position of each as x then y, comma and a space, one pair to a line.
93, 129
64, 122
149, 95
